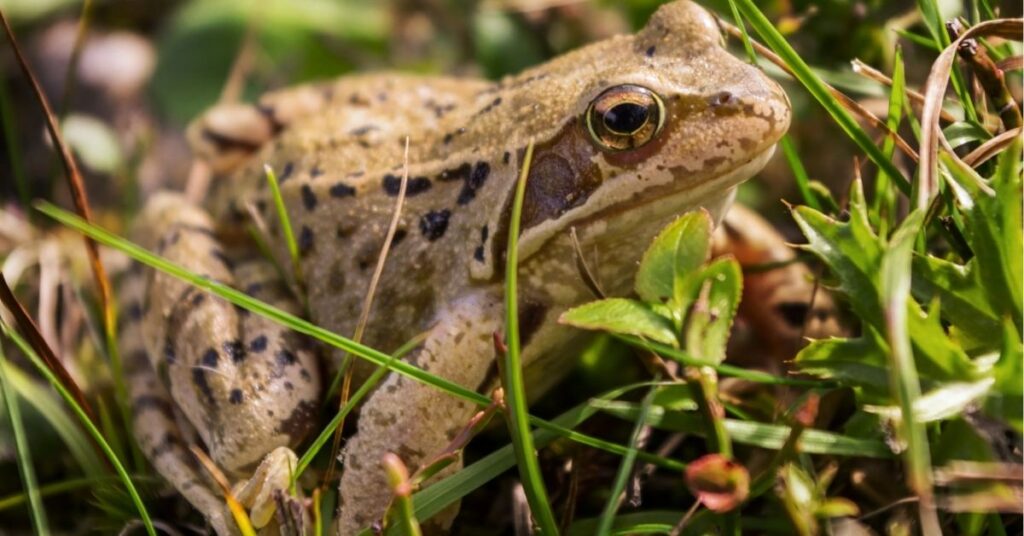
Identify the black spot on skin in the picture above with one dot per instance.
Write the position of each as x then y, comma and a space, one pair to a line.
478, 254
297, 424
416, 185
305, 375
448, 138
316, 171
650, 52
308, 198
434, 223
199, 380
235, 350
305, 240
286, 172
235, 397
198, 299
134, 311
258, 344
460, 173
288, 386
342, 190
210, 358
285, 357
531, 318
400, 235
365, 129
474, 181
506, 157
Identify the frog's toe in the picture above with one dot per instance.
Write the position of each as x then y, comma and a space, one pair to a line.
257, 493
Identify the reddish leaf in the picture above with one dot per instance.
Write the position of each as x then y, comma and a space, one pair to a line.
719, 483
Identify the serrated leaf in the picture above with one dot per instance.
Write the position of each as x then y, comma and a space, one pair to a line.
961, 295
856, 362
712, 314
678, 250
854, 254
621, 315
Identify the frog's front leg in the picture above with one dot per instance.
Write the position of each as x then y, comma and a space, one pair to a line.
414, 420
245, 384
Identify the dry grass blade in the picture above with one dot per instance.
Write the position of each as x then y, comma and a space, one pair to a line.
846, 101
237, 510
991, 147
916, 97
28, 327
74, 176
935, 89
364, 314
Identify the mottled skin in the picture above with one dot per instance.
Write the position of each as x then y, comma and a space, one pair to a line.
337, 149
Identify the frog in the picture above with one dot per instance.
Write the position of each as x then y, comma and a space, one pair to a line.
626, 134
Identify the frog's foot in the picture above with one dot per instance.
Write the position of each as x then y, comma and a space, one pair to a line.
417, 421
258, 493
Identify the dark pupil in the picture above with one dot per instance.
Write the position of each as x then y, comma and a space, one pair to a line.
626, 118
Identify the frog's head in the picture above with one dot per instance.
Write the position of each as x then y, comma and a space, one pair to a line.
668, 121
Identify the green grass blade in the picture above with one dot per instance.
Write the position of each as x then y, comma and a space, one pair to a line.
738, 20
625, 469
884, 202
515, 385
28, 473
685, 358
819, 91
803, 181
895, 293
282, 216
328, 432
88, 424
47, 404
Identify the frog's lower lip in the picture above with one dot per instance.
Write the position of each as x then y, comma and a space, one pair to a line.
691, 192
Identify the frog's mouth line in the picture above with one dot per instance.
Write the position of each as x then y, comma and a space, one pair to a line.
694, 193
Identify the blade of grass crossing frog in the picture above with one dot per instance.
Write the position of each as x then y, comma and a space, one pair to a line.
747, 47
894, 295
513, 382
282, 216
305, 327
814, 85
24, 453
356, 398
89, 426
625, 468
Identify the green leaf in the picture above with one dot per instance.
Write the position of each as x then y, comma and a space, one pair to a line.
621, 315
711, 317
961, 295
678, 250
963, 132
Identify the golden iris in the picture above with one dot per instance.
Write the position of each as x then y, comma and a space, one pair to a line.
625, 117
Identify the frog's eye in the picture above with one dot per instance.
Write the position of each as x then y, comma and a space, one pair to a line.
625, 117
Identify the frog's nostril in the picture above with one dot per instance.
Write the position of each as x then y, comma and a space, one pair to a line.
723, 98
